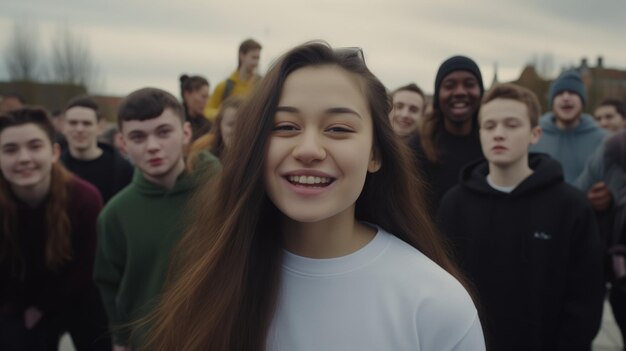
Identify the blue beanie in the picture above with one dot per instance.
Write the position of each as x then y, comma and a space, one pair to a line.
568, 81
456, 63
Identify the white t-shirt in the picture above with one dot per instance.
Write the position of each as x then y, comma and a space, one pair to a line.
385, 296
504, 189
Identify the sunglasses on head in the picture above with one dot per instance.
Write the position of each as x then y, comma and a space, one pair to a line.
350, 52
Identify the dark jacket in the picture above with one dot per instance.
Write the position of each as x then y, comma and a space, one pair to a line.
110, 172
534, 256
455, 152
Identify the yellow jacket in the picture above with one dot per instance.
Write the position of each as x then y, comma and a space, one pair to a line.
240, 87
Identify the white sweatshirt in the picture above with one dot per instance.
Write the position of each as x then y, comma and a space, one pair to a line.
385, 296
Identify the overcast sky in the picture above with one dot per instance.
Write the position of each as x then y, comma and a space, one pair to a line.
138, 43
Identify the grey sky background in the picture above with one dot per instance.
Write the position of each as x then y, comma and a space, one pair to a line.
138, 43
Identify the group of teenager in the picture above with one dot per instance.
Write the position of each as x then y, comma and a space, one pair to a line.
318, 212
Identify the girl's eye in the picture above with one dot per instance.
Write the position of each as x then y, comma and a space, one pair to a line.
284, 128
339, 129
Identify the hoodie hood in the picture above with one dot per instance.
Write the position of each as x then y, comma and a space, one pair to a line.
587, 124
571, 147
207, 166
184, 183
546, 172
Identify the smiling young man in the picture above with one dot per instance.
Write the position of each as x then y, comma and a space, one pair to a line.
448, 137
527, 240
409, 105
141, 225
611, 115
98, 163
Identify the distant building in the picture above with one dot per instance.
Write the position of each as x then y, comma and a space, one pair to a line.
601, 82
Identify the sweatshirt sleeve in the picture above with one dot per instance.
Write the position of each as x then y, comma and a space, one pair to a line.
473, 338
593, 170
109, 270
582, 304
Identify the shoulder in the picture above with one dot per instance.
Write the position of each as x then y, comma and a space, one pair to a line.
85, 201
114, 155
567, 196
455, 193
220, 86
441, 303
437, 289
123, 199
84, 193
207, 165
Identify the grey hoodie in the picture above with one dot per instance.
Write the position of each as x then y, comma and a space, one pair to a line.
571, 147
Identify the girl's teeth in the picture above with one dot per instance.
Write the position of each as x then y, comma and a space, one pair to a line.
309, 179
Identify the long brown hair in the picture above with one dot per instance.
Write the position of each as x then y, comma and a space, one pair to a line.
214, 140
58, 247
224, 283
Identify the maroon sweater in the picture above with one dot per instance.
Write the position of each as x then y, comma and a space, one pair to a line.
51, 291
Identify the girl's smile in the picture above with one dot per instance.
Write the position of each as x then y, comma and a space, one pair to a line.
319, 151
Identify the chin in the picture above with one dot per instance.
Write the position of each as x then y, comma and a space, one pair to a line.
304, 216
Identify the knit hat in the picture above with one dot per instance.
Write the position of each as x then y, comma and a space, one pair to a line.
456, 63
570, 81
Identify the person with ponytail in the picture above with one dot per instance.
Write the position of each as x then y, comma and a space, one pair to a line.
195, 93
47, 242
310, 239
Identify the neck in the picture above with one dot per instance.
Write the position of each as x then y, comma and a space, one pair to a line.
168, 180
88, 154
244, 73
511, 175
458, 129
567, 125
334, 237
33, 195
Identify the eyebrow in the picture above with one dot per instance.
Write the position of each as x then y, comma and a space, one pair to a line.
329, 111
29, 141
160, 126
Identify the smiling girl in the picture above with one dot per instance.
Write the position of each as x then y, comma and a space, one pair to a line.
314, 239
47, 242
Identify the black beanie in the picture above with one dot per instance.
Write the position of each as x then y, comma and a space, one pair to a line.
456, 63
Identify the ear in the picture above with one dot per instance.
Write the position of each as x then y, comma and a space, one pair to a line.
375, 161
535, 135
56, 152
186, 133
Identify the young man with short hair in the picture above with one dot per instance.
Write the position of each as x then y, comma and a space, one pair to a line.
241, 81
611, 115
139, 227
98, 163
527, 240
409, 105
569, 135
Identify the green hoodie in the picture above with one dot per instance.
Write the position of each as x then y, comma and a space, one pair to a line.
137, 231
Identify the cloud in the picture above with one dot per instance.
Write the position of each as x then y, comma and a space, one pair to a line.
144, 42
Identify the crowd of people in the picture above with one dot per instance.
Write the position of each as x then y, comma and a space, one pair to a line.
314, 209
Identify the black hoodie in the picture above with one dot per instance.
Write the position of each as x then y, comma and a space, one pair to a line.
533, 255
